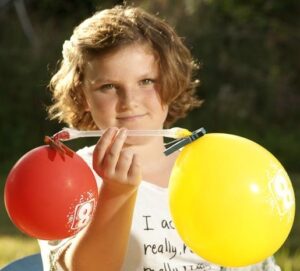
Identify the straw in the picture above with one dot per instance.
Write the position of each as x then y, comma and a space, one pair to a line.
70, 133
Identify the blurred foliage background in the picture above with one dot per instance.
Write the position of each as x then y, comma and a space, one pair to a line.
248, 51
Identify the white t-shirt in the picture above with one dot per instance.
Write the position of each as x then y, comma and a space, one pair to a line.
154, 244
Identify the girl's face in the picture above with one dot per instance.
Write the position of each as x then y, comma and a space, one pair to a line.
121, 89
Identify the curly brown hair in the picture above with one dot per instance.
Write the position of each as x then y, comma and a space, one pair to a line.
111, 29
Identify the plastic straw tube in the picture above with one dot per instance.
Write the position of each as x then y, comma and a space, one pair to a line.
69, 133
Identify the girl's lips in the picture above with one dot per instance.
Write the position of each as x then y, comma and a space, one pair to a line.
131, 117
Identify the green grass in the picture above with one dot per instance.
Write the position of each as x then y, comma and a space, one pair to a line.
288, 261
14, 245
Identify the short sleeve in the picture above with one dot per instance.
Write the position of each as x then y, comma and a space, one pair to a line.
51, 251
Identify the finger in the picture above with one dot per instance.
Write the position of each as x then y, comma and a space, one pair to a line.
124, 164
135, 172
102, 146
113, 153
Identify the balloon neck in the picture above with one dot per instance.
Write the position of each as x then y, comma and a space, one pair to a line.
58, 146
185, 141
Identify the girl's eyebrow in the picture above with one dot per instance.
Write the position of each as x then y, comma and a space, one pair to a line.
99, 79
148, 74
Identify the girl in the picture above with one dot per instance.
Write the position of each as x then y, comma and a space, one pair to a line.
126, 69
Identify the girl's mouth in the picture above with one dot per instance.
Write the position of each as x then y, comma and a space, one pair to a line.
131, 117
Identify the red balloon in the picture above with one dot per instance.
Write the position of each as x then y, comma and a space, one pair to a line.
49, 195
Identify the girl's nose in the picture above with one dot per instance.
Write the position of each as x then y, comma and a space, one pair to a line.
127, 98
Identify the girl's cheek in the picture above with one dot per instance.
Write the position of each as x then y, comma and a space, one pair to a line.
103, 101
151, 94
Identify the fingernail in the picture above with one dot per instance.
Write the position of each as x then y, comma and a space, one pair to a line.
113, 129
123, 132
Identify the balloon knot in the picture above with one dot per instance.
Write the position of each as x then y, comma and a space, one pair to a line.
58, 146
184, 141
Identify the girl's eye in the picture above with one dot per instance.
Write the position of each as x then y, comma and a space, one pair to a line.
106, 87
146, 82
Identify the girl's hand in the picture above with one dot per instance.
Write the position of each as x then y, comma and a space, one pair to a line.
119, 168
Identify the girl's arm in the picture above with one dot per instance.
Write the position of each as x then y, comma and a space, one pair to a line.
103, 244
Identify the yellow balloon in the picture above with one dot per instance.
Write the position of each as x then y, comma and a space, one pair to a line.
231, 200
